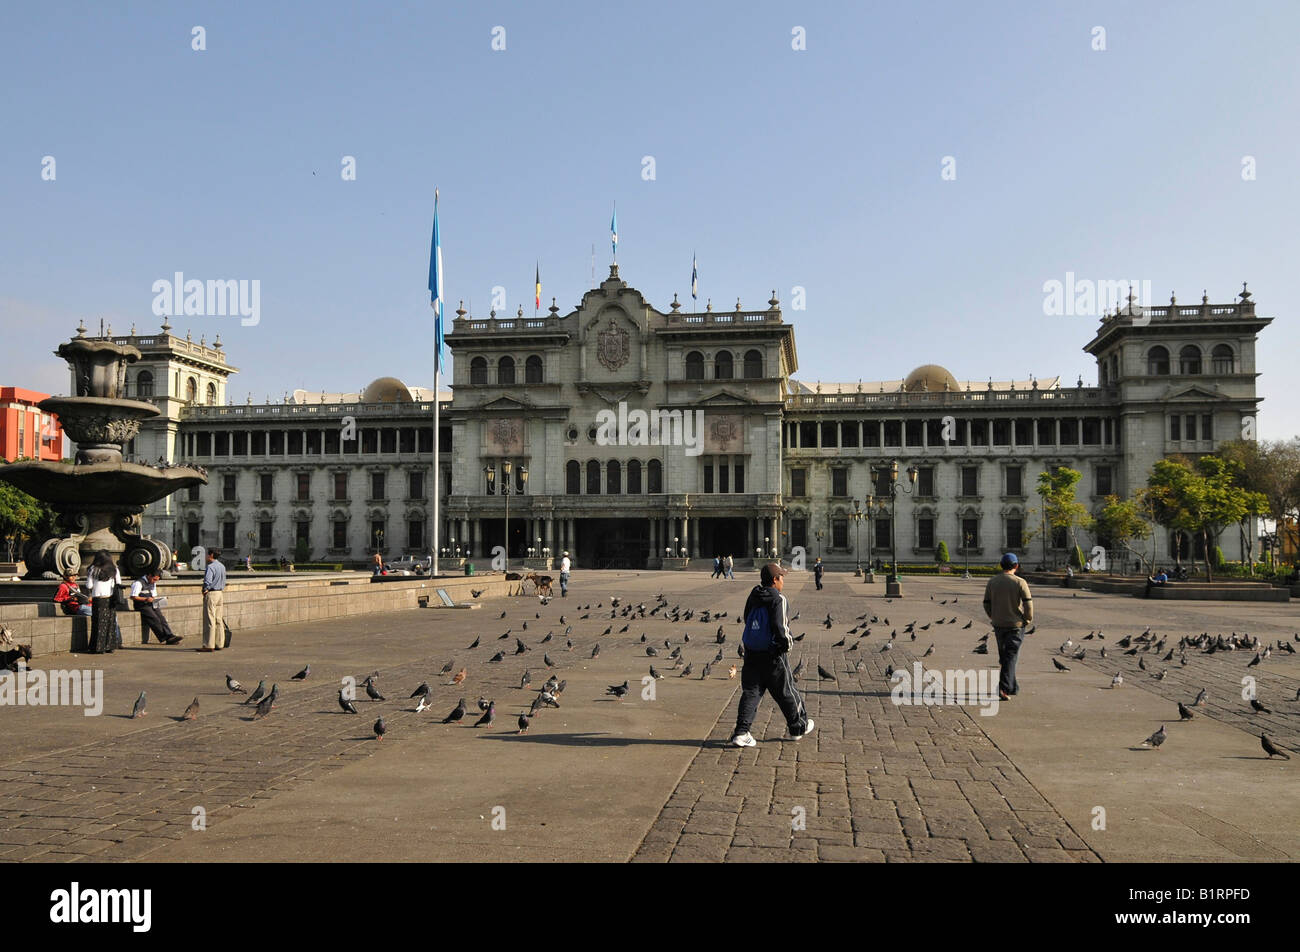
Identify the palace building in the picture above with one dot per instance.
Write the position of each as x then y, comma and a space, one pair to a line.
634, 437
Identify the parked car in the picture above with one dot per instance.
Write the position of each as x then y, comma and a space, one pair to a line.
409, 564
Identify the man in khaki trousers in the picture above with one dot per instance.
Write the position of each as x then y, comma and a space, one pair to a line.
214, 588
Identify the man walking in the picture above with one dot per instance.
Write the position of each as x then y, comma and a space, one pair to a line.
818, 569
767, 641
565, 565
1010, 607
729, 564
214, 617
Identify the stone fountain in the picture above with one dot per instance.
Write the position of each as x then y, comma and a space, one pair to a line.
100, 496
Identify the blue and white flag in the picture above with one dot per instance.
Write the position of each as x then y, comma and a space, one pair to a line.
695, 278
435, 286
613, 230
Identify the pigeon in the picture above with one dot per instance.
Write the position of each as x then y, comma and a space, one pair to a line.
1059, 666
1080, 654
886, 646
982, 649
274, 695
1259, 708
258, 693
1200, 699
655, 674
264, 708
889, 671
138, 710
460, 676
651, 651
797, 669
372, 692
1117, 680
839, 644
686, 671
1156, 739
618, 690
559, 688
302, 675
520, 647
348, 706
708, 670
380, 728
928, 651
499, 656
1065, 648
422, 690
967, 625
595, 649
549, 636
192, 711
476, 592
233, 686
424, 704
824, 675
489, 715
474, 644
523, 723
1271, 748
1142, 664
1184, 712
550, 700
457, 713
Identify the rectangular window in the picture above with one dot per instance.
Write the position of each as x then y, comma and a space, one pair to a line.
277, 443
970, 480
882, 534
265, 487
340, 534
302, 531
415, 489
259, 444
830, 435
870, 433
313, 442
228, 535
1015, 480
1015, 533
377, 534
1024, 432
406, 440
970, 532
377, 486
303, 486
204, 447
1175, 428
925, 533
415, 534
1058, 538
1104, 481
914, 432
1069, 432
332, 441
1190, 425
222, 445
1207, 431
191, 534
340, 486
979, 433
740, 478
1001, 432
228, 487
849, 433
388, 440
840, 481
708, 477
839, 533
193, 493
241, 444
1091, 431
370, 440
295, 443
799, 532
934, 432
807, 435
1046, 432
893, 432
925, 481
798, 482
724, 478
264, 534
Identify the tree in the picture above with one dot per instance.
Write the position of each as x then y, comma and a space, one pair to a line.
941, 554
22, 518
1272, 469
1061, 511
1202, 498
1129, 524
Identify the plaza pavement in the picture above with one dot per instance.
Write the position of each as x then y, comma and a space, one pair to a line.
655, 780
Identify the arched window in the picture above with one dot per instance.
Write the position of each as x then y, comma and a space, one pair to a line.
478, 370
144, 384
572, 477
753, 364
1221, 359
722, 366
695, 365
506, 370
634, 477
191, 390
1157, 361
613, 477
533, 369
1189, 360
593, 478
655, 476
212, 394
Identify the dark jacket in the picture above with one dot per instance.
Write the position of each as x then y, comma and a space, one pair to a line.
778, 614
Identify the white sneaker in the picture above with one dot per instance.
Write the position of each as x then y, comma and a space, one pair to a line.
807, 730
744, 740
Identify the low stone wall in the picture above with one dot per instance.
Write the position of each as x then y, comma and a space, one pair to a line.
1227, 591
27, 608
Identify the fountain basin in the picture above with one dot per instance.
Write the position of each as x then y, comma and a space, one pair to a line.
120, 486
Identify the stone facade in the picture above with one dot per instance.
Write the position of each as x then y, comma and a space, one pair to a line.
603, 402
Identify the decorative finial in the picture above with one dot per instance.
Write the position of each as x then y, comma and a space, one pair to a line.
1080, 383
109, 332
553, 309
708, 304
991, 384
460, 311
1172, 300
166, 325
250, 398
1205, 297
492, 314
773, 302
521, 311
203, 340
133, 328
676, 305
737, 305
859, 385
81, 329
188, 338
217, 343
1245, 295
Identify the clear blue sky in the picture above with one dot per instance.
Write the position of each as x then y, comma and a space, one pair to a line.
817, 168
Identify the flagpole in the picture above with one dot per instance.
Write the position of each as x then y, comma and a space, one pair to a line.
435, 301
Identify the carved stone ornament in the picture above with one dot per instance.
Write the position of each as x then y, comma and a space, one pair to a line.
613, 346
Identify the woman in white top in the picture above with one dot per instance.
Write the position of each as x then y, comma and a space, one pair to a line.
101, 581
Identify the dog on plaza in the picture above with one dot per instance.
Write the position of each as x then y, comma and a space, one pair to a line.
10, 657
541, 584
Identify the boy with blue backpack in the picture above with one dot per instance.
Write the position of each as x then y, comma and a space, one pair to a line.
767, 641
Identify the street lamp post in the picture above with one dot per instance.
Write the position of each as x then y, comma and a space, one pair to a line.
969, 540
507, 470
820, 534
893, 584
856, 516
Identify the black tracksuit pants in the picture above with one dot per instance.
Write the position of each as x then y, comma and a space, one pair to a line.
766, 671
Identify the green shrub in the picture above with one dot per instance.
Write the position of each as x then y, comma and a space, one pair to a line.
941, 554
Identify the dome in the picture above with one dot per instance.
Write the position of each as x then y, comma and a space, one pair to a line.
386, 390
930, 377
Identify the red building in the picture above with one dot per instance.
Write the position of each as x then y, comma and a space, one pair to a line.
26, 431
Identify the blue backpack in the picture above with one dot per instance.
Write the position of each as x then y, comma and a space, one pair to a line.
758, 630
